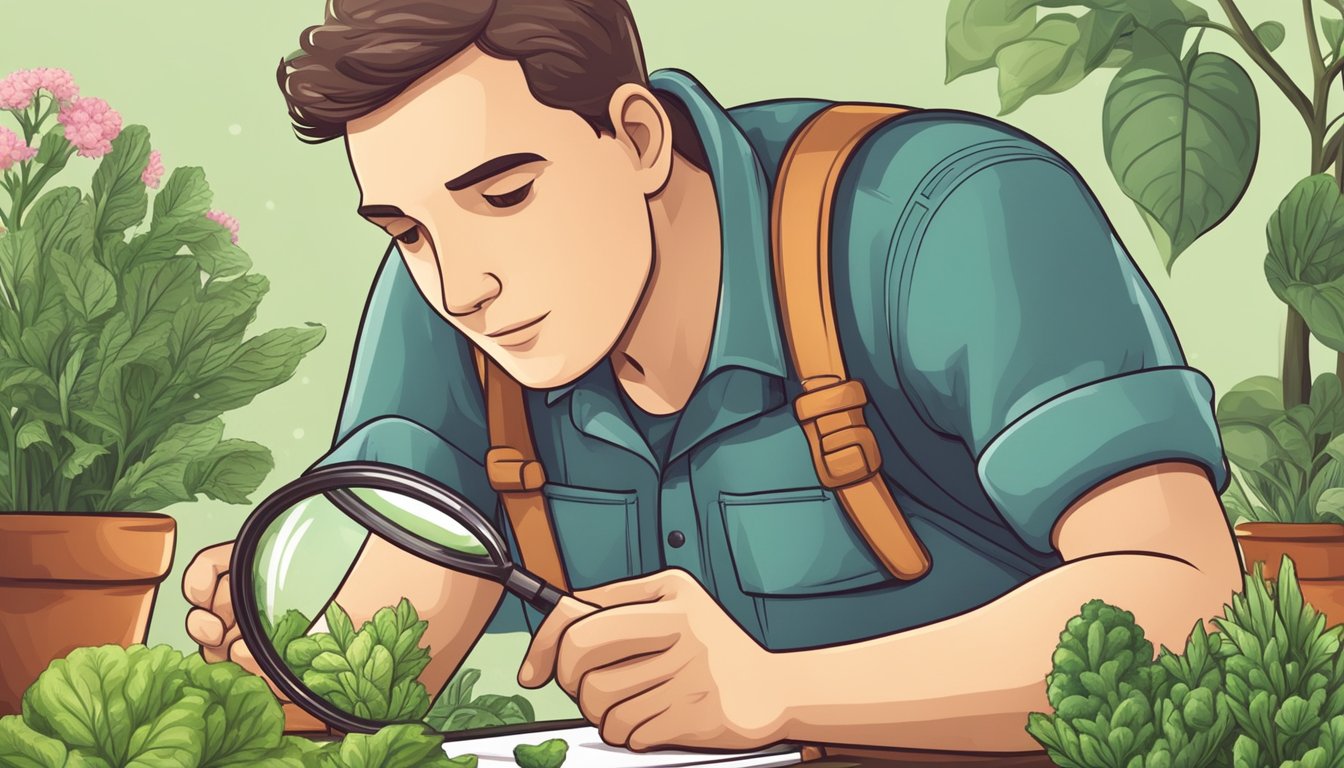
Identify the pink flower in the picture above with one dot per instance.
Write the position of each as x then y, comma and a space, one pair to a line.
90, 125
13, 149
58, 83
224, 220
17, 89
153, 170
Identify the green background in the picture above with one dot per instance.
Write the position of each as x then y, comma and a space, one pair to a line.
201, 76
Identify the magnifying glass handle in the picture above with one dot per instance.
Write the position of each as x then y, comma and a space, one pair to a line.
533, 590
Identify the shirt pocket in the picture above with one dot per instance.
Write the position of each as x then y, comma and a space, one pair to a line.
796, 542
597, 532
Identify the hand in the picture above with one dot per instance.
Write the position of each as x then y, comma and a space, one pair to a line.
660, 663
205, 584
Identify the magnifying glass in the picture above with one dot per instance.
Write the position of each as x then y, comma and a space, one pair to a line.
299, 550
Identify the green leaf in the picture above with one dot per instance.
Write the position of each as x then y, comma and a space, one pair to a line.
118, 192
32, 433
1058, 53
1334, 33
1305, 264
179, 216
159, 480
1271, 34
82, 455
342, 630
1331, 504
396, 746
88, 288
61, 220
242, 715
22, 747
977, 29
53, 149
260, 363
19, 266
548, 754
230, 471
1181, 136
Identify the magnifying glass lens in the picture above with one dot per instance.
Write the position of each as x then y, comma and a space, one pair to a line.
349, 613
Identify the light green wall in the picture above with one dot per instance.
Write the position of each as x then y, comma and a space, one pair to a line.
202, 77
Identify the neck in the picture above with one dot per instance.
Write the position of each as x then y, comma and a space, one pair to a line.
663, 352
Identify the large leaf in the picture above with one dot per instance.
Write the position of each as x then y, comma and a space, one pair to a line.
1181, 136
52, 152
1305, 264
1058, 53
262, 362
19, 269
22, 747
977, 29
232, 470
179, 216
88, 288
1334, 33
83, 454
118, 193
242, 717
159, 479
62, 220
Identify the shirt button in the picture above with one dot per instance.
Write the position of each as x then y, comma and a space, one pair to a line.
675, 539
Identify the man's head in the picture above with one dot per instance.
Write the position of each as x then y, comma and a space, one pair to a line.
511, 147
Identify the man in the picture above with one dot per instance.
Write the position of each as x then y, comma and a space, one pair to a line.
603, 236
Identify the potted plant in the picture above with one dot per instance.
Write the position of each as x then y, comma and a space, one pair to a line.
1265, 689
121, 344
1180, 129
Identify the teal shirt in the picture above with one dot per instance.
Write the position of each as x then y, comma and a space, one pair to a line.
1014, 357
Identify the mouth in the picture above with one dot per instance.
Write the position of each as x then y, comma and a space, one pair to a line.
517, 327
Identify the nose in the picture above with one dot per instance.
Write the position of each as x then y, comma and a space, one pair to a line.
467, 290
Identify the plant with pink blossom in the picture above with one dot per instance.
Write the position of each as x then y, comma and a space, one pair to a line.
109, 403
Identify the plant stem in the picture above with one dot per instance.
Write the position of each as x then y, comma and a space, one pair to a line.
1296, 361
1261, 55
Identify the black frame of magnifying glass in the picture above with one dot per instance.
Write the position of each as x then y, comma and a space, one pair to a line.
496, 566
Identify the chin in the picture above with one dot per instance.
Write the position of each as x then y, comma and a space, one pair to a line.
537, 369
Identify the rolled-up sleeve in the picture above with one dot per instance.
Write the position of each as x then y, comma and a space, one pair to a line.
1025, 330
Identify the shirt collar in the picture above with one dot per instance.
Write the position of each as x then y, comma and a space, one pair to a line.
746, 331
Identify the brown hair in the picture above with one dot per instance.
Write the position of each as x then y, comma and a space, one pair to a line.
574, 54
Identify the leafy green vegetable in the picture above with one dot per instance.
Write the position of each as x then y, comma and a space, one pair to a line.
1265, 690
391, 747
456, 710
548, 754
109, 707
119, 352
1290, 460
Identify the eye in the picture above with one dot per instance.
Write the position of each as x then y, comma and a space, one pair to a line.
410, 236
509, 199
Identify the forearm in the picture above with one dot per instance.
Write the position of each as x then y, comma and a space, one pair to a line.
969, 682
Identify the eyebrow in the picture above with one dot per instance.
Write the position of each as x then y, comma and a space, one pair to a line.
492, 168
380, 211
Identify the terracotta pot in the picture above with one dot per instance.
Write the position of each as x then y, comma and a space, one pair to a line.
68, 581
1317, 551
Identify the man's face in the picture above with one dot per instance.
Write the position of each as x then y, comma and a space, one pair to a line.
523, 228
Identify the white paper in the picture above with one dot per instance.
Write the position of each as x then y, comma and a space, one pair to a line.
586, 750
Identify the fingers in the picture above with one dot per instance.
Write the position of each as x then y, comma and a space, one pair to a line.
646, 589
205, 628
613, 635
626, 717
220, 652
539, 663
602, 689
241, 655
200, 579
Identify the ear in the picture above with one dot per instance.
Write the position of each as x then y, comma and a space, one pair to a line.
643, 127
